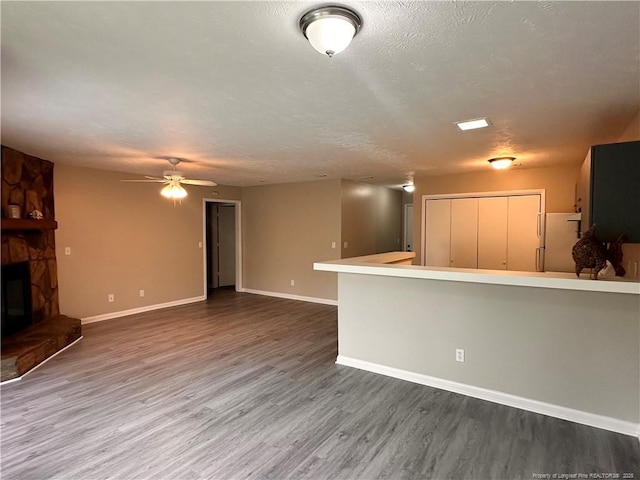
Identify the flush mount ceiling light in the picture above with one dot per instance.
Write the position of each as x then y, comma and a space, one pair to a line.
330, 29
473, 124
409, 188
501, 163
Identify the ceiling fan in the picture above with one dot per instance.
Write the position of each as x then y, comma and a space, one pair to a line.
173, 180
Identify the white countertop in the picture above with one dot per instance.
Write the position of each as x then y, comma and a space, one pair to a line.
376, 265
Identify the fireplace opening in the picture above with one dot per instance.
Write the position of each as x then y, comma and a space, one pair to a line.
17, 311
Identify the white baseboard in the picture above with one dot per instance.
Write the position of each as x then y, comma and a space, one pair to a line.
324, 301
557, 411
41, 363
146, 308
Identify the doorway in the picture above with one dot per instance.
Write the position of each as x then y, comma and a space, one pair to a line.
222, 239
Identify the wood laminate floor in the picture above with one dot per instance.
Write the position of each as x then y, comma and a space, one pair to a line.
244, 386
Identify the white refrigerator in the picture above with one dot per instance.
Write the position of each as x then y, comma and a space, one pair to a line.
561, 234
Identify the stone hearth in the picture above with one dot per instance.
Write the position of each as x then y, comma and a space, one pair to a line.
31, 347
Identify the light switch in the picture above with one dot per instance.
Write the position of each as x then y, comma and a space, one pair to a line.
67, 250
333, 244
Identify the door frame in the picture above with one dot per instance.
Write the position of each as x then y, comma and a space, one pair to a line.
505, 193
238, 240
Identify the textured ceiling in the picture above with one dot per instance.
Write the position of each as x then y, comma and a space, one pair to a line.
235, 87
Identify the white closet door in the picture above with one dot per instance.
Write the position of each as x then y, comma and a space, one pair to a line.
437, 233
522, 237
464, 233
492, 232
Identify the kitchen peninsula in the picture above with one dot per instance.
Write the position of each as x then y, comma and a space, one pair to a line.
545, 342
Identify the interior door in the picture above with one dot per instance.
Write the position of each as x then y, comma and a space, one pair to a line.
408, 227
464, 233
492, 232
212, 245
524, 233
437, 224
226, 245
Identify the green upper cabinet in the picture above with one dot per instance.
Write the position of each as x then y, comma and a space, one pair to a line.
615, 191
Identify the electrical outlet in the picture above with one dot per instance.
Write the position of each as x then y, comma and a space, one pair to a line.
142, 293
293, 283
459, 355
111, 298
199, 246
346, 245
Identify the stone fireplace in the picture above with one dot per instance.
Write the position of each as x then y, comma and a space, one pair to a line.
28, 183
29, 245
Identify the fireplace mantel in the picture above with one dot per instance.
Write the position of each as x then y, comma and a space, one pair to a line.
26, 224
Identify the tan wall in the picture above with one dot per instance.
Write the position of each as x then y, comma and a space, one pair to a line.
559, 183
125, 237
286, 228
632, 130
389, 220
371, 219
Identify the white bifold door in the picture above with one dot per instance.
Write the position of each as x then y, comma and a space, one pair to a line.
464, 238
498, 232
493, 232
437, 232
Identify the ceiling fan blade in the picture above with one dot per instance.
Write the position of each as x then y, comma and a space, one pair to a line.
158, 180
152, 178
204, 183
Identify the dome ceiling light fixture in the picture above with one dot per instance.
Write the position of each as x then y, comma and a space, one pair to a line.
330, 29
500, 163
409, 188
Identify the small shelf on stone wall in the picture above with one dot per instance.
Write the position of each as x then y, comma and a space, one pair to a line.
24, 224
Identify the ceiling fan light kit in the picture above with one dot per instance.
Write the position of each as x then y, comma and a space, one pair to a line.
173, 180
330, 29
500, 163
174, 191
